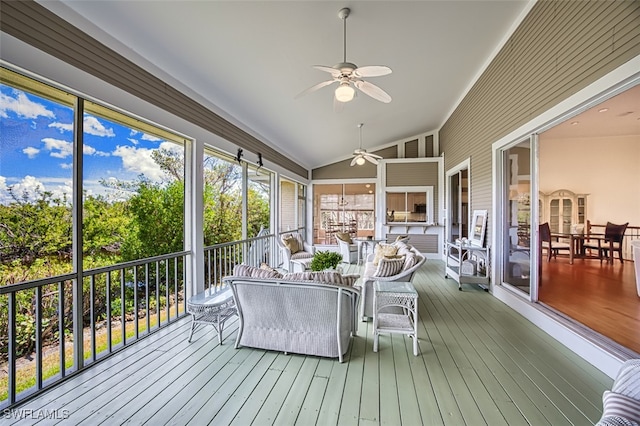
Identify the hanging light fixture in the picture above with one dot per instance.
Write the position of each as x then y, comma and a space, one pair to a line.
344, 92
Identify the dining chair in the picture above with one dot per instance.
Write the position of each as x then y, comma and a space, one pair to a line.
612, 241
549, 243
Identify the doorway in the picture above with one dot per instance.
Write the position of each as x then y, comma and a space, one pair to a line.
458, 202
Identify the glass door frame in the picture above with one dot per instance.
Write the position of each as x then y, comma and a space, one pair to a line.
501, 204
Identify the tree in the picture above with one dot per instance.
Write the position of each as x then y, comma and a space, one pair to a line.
30, 230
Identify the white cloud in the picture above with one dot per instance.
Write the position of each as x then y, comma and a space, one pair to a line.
151, 138
3, 183
31, 152
94, 127
58, 148
139, 160
133, 141
63, 190
63, 127
66, 166
62, 149
88, 150
22, 106
29, 187
172, 147
32, 187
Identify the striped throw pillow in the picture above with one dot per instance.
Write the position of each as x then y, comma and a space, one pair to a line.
253, 272
618, 405
389, 267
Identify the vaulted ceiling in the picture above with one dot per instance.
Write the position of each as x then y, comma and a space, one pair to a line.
251, 58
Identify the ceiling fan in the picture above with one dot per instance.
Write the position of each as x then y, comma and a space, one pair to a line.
361, 155
349, 75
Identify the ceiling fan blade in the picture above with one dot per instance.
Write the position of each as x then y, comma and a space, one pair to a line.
370, 159
374, 156
334, 72
314, 88
353, 162
372, 71
374, 91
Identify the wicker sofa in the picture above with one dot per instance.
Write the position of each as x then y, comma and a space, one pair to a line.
413, 260
303, 317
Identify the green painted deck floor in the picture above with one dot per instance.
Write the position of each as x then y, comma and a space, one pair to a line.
480, 363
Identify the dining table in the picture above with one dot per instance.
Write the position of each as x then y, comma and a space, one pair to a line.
576, 241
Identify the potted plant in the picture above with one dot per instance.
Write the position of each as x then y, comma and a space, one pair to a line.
325, 260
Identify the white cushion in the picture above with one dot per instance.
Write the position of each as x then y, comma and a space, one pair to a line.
618, 405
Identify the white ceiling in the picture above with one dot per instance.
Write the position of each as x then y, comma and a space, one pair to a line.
251, 58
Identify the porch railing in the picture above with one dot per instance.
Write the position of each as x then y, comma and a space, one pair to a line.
120, 304
220, 259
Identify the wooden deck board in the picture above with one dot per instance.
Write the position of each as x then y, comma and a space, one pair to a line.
479, 363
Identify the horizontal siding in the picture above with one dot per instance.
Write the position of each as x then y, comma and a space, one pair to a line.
430, 148
344, 170
412, 174
424, 243
41, 28
559, 48
411, 149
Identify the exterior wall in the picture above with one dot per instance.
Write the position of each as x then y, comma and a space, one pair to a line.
559, 49
287, 205
343, 169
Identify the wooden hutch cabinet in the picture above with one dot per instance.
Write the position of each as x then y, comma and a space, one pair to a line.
563, 208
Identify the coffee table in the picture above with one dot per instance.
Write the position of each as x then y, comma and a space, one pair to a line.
213, 308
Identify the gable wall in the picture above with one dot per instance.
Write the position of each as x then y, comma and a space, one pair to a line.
560, 48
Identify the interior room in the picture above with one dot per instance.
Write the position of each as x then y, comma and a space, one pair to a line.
600, 295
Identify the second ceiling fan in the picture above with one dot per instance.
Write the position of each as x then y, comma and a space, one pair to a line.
348, 75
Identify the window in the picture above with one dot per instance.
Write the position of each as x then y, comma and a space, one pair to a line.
414, 206
343, 208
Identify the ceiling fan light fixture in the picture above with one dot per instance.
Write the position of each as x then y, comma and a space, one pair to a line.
344, 92
360, 161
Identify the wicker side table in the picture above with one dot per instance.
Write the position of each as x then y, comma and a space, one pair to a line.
213, 308
395, 310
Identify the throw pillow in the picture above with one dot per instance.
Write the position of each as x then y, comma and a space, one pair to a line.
291, 243
616, 404
325, 277
253, 272
267, 267
383, 250
409, 261
344, 236
403, 248
389, 267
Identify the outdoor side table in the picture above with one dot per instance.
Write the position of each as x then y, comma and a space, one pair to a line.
402, 318
213, 308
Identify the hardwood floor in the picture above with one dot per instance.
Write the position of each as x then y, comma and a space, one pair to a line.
600, 295
480, 363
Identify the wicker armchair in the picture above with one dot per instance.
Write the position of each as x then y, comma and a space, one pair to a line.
303, 250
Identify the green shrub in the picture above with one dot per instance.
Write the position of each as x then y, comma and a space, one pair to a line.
325, 260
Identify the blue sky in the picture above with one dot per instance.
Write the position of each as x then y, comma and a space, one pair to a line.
36, 147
